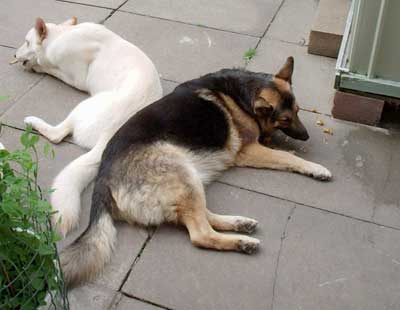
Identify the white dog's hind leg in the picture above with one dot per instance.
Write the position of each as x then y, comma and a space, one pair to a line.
54, 133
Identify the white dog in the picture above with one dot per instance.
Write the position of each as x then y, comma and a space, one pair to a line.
121, 80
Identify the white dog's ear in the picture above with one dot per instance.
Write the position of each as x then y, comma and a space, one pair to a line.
70, 22
41, 29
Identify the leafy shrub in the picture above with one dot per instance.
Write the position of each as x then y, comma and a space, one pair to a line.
29, 267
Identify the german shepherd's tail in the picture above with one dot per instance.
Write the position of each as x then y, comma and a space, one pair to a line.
88, 254
69, 184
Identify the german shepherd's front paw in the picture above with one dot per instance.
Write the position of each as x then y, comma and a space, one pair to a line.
320, 172
248, 245
246, 225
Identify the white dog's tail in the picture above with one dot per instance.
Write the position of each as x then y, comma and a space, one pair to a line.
68, 186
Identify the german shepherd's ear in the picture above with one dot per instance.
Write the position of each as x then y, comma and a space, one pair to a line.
286, 72
70, 22
262, 108
41, 29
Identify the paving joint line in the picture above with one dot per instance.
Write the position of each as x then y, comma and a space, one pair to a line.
8, 46
190, 24
283, 237
145, 301
168, 80
86, 4
389, 174
35, 132
264, 33
150, 235
270, 23
309, 206
115, 301
17, 98
113, 11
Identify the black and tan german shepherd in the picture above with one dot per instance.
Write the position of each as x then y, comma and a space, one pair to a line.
155, 167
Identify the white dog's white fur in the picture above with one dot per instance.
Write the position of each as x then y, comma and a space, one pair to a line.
121, 80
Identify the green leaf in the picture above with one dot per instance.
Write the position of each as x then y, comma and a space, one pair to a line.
46, 149
34, 140
45, 249
25, 139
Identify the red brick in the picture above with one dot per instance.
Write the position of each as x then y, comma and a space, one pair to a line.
357, 108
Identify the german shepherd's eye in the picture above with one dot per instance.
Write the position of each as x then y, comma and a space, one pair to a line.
285, 120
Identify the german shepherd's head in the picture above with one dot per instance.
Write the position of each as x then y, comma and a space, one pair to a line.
275, 106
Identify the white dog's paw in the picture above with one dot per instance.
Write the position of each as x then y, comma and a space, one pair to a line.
319, 172
33, 121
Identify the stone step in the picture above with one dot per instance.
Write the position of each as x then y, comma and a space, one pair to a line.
328, 27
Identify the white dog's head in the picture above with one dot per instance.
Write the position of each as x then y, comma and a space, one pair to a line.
31, 52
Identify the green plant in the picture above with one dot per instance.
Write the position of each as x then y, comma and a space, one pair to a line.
29, 268
249, 54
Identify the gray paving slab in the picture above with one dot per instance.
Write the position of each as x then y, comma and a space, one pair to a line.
330, 262
168, 86
126, 303
91, 297
357, 156
387, 206
181, 52
313, 77
248, 17
14, 81
18, 16
112, 4
293, 21
175, 274
50, 99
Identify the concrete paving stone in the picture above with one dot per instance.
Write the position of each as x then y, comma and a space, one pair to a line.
293, 21
248, 17
330, 262
14, 81
51, 100
18, 16
168, 86
174, 273
91, 297
132, 304
181, 52
40, 102
388, 201
328, 27
357, 156
313, 76
112, 4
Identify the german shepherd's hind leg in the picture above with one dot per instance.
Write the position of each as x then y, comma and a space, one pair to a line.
258, 156
231, 222
55, 134
194, 215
